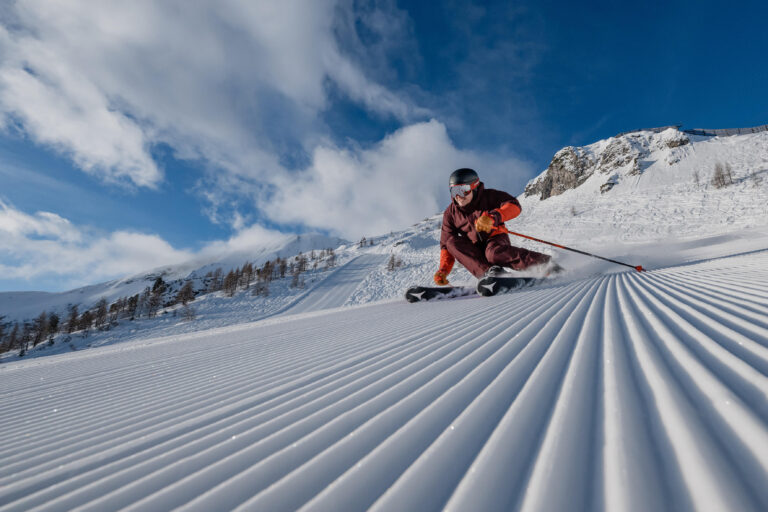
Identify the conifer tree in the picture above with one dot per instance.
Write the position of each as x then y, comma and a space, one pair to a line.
186, 294
302, 262
144, 302
296, 275
73, 319
154, 302
115, 309
230, 283
133, 306
215, 284
53, 325
13, 338
100, 317
40, 328
247, 276
159, 287
26, 338
86, 322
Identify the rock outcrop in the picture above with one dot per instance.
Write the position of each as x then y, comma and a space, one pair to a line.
619, 156
569, 168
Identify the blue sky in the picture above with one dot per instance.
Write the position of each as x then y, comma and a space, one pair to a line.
136, 134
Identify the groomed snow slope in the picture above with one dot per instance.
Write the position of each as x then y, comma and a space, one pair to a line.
620, 392
335, 290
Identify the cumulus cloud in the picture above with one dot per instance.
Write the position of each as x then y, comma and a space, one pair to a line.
402, 179
237, 84
14, 223
46, 244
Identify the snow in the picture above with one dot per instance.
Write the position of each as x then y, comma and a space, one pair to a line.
624, 391
337, 288
605, 389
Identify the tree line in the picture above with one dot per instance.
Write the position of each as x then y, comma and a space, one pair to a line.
103, 316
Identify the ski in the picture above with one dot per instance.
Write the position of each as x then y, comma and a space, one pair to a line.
487, 287
424, 293
493, 285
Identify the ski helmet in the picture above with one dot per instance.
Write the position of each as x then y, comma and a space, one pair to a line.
462, 182
463, 176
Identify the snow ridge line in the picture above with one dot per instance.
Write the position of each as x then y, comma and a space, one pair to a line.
628, 391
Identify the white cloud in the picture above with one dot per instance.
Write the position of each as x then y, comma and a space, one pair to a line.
375, 97
400, 180
246, 239
14, 223
240, 85
236, 83
46, 244
100, 140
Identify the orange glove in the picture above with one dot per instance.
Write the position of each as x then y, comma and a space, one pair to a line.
487, 221
441, 278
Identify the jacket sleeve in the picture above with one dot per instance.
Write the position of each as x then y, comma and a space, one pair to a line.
446, 261
446, 233
509, 210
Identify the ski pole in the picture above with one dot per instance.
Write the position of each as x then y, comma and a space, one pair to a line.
639, 268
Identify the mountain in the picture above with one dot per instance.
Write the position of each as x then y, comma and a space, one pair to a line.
647, 186
616, 159
604, 389
20, 306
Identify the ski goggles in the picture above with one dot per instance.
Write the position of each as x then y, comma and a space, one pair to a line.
464, 189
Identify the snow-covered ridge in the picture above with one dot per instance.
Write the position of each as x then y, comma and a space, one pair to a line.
671, 152
20, 306
648, 187
614, 158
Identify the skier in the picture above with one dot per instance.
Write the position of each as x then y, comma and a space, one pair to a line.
472, 232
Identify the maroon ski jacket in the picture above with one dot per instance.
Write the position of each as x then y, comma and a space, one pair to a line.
458, 221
